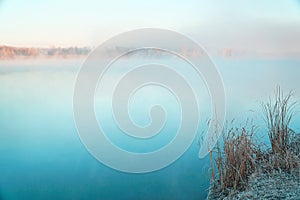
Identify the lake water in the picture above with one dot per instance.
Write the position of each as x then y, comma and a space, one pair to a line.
42, 156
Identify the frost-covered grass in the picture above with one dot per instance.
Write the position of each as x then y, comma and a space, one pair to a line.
240, 162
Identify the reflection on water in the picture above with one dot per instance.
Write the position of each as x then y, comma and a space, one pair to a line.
41, 154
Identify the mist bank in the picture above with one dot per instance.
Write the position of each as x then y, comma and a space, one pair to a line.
25, 53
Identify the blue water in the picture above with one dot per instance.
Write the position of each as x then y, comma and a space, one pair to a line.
42, 156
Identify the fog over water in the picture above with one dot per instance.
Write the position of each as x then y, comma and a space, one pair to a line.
41, 153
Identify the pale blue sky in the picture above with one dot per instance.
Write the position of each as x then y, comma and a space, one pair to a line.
234, 23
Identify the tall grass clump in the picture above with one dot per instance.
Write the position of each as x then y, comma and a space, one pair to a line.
278, 113
235, 157
238, 156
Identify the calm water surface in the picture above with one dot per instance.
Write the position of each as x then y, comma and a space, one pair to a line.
42, 156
